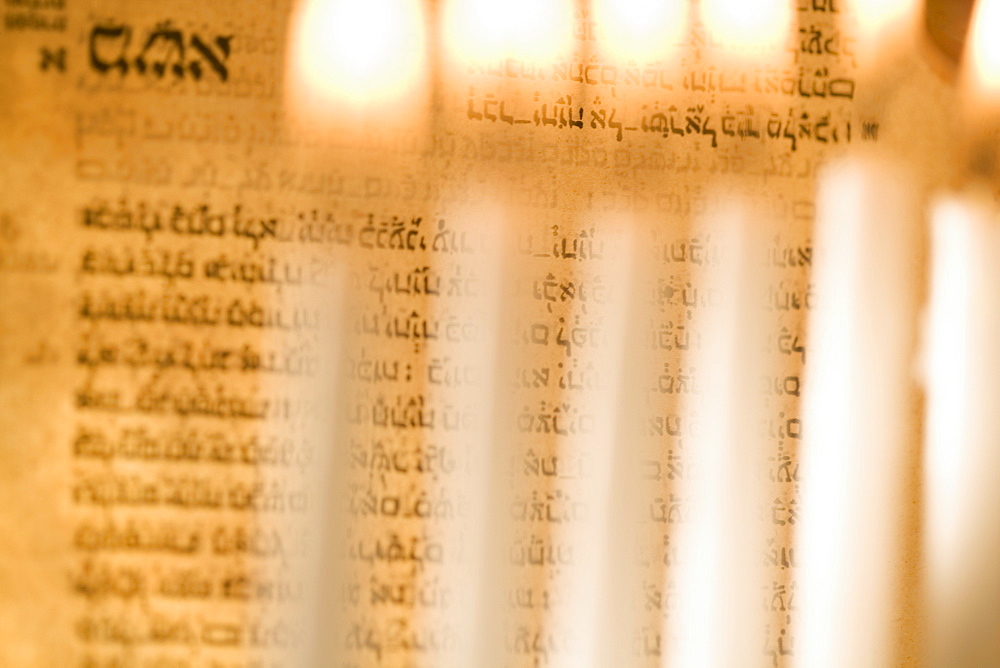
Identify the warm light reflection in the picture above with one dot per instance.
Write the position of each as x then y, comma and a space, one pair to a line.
526, 29
640, 29
359, 51
984, 53
747, 24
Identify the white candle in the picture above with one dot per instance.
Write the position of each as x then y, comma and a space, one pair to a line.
857, 388
597, 585
962, 452
475, 609
718, 620
962, 455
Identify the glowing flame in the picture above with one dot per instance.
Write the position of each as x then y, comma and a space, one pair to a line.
747, 24
883, 28
876, 16
359, 51
526, 29
984, 49
640, 29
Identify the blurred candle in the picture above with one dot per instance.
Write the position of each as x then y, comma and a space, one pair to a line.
472, 610
593, 608
857, 390
718, 620
962, 453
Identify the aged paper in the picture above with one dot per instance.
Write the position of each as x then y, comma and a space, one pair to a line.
181, 217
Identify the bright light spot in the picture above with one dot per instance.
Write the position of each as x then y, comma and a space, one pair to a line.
642, 30
984, 44
480, 30
883, 26
875, 16
359, 50
747, 24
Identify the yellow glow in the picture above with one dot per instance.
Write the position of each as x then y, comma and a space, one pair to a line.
747, 24
875, 16
984, 45
526, 29
882, 26
359, 50
640, 29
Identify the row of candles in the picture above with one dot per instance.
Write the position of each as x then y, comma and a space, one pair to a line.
873, 342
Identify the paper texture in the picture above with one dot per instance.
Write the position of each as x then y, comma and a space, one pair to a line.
479, 293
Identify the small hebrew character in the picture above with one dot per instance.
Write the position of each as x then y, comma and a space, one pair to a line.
111, 34
55, 58
216, 62
172, 41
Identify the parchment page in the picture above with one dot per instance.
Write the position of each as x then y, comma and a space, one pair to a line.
178, 228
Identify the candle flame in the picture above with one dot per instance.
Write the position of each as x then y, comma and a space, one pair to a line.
962, 528
877, 16
640, 29
526, 29
358, 51
747, 24
984, 45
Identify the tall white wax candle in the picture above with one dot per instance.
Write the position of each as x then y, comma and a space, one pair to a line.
962, 453
857, 390
595, 582
718, 620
